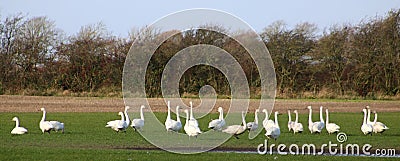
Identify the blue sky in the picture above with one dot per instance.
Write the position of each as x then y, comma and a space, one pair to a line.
121, 15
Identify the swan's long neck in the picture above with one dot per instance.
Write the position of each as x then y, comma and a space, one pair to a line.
309, 116
290, 117
169, 111
297, 117
122, 117
177, 114
44, 115
221, 115
17, 123
266, 115
376, 118
126, 116
321, 118
368, 116
141, 113
276, 119
191, 111
256, 117
187, 118
327, 116
243, 120
365, 117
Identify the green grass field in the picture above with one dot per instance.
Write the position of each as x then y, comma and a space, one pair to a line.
86, 138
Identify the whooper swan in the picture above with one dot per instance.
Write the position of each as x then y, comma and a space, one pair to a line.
17, 129
138, 124
217, 124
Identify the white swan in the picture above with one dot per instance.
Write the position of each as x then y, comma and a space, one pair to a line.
331, 127
192, 120
169, 123
172, 124
378, 127
190, 129
297, 127
127, 119
57, 126
252, 126
365, 127
44, 125
314, 127
217, 124
290, 123
137, 124
275, 131
177, 125
236, 130
17, 129
267, 123
117, 125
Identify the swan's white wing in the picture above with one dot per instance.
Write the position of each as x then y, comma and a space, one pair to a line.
19, 130
298, 127
273, 132
192, 130
332, 128
379, 127
113, 123
317, 127
221, 124
176, 126
192, 127
366, 129
382, 125
116, 125
57, 125
214, 124
252, 126
193, 122
123, 124
241, 130
320, 126
137, 123
232, 129
45, 126
172, 125
169, 123
268, 123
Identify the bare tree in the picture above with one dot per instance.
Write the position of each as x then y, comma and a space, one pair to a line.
9, 29
332, 53
37, 41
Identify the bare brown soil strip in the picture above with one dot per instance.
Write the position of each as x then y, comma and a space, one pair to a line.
95, 104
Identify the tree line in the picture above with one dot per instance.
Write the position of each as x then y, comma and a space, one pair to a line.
344, 61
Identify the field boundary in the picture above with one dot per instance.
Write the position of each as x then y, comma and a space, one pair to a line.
17, 103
